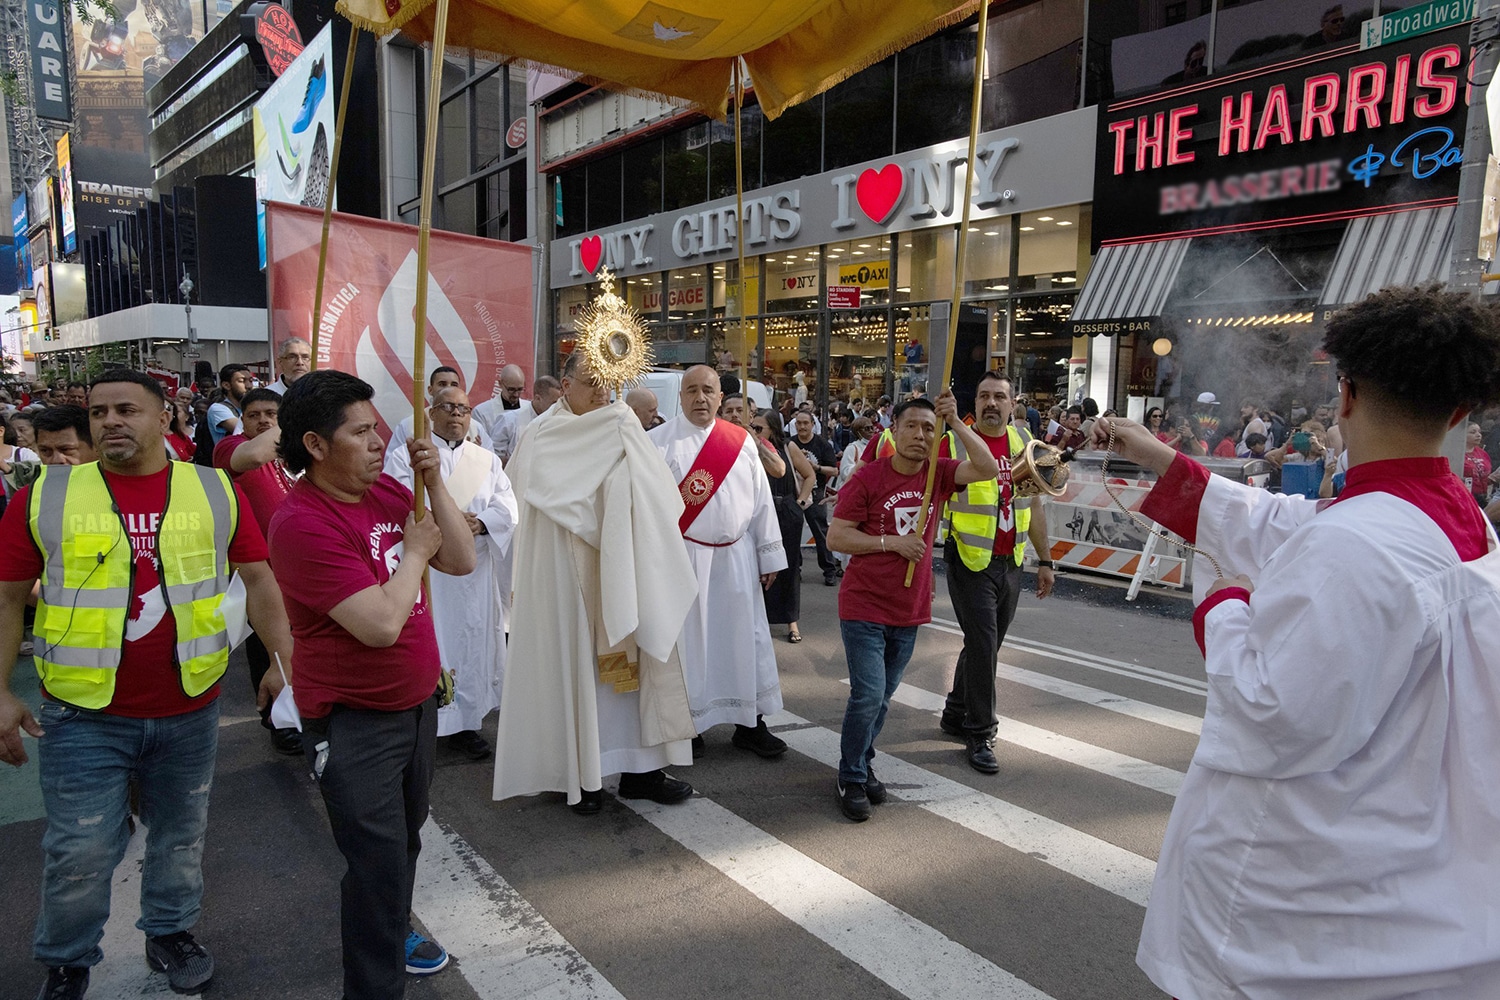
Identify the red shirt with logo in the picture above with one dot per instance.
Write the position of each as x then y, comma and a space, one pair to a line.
265, 487
324, 551
148, 684
883, 502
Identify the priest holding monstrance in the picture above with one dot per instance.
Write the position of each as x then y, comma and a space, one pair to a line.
594, 685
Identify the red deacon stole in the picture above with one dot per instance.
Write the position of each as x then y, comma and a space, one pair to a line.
709, 470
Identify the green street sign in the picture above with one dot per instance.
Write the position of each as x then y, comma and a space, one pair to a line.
1424, 17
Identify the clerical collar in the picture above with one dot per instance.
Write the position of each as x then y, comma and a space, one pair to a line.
453, 445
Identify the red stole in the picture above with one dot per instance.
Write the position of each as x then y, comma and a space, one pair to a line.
709, 470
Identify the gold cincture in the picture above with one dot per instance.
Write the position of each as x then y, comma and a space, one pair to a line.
619, 670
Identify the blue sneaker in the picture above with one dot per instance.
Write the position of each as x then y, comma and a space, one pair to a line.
424, 957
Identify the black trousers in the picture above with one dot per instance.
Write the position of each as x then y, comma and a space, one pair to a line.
985, 604
817, 522
259, 659
375, 784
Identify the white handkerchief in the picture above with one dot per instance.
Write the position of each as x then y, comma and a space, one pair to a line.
284, 714
233, 608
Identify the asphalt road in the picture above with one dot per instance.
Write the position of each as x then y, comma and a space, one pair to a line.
1028, 884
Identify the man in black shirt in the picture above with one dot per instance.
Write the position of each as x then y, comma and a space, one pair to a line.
826, 463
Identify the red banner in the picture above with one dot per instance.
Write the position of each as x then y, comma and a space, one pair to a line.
479, 302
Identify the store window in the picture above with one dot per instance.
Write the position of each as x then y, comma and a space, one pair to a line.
792, 347
454, 138
858, 125
859, 354
1042, 348
792, 280
688, 292
861, 263
924, 264
987, 258
643, 292
1050, 244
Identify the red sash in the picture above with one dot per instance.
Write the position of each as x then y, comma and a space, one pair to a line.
709, 470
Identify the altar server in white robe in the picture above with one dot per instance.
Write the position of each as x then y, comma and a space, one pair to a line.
731, 535
468, 612
513, 423
507, 399
594, 684
1337, 836
441, 378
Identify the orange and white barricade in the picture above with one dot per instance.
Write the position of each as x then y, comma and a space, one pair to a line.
1087, 531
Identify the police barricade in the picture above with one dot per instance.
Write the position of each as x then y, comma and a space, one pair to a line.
1088, 531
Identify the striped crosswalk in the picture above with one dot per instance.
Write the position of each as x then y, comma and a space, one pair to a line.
506, 945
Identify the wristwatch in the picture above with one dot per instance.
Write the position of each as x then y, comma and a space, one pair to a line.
1045, 564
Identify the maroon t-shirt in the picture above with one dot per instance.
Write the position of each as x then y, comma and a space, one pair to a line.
265, 487
148, 684
883, 502
324, 551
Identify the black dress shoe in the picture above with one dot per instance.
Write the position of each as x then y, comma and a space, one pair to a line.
982, 756
699, 747
287, 741
759, 740
874, 788
854, 800
654, 785
951, 727
830, 580
469, 742
590, 803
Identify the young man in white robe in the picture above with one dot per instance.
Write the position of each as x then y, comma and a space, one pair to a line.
441, 378
469, 612
1337, 836
593, 683
513, 423
507, 399
734, 542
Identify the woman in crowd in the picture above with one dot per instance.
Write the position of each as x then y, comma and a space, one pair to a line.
784, 596
180, 437
864, 429
20, 425
1477, 465
1154, 425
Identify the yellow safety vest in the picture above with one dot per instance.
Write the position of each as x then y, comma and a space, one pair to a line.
972, 516
86, 588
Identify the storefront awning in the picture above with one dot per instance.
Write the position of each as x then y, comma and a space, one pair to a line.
1400, 248
1127, 287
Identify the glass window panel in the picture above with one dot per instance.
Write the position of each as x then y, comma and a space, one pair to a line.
793, 143
1134, 47
518, 186
864, 263
1049, 250
568, 303
1042, 347
687, 292
644, 293
495, 211
458, 209
934, 83
572, 218
721, 152
453, 133
455, 71
791, 346
987, 258
680, 344
857, 349
858, 113
642, 181
791, 280
924, 264
515, 93
1032, 70
1263, 31
489, 123
685, 167
604, 192
726, 288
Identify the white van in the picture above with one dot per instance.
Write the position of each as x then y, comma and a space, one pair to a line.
667, 384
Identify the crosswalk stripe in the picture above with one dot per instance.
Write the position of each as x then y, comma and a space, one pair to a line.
1096, 861
1065, 748
1095, 661
504, 948
908, 955
1108, 700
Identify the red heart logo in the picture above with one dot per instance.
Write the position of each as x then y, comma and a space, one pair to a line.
791, 283
879, 191
590, 251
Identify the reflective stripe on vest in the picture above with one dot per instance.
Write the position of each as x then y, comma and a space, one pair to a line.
86, 589
972, 515
886, 446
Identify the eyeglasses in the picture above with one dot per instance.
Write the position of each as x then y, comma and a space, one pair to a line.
759, 427
454, 409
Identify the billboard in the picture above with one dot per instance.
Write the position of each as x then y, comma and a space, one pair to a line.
19, 224
293, 123
45, 25
68, 229
479, 302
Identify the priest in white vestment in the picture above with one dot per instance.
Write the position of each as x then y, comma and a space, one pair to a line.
734, 543
507, 399
1337, 836
442, 377
594, 684
513, 423
469, 611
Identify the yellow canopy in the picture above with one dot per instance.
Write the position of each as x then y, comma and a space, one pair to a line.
793, 49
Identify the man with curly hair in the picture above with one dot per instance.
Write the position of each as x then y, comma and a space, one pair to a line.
1335, 834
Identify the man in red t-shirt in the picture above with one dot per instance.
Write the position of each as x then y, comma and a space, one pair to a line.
147, 707
249, 456
876, 523
349, 555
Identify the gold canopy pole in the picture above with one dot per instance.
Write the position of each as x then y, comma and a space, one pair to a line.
976, 105
341, 112
424, 237
739, 241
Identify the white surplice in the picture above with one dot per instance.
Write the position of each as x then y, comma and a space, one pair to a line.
468, 612
490, 413
599, 565
510, 427
1337, 836
726, 642
402, 432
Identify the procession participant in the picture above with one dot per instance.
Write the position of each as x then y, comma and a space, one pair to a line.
349, 555
733, 410
733, 540
249, 456
469, 612
825, 462
293, 360
1343, 788
488, 414
224, 416
134, 554
544, 392
642, 402
987, 528
594, 684
875, 523
63, 436
442, 377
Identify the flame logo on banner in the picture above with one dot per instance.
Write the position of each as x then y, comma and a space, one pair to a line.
383, 356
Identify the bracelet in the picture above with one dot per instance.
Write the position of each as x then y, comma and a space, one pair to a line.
882, 543
1045, 564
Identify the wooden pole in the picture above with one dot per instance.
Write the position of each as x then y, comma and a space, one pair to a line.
424, 238
340, 113
739, 241
976, 106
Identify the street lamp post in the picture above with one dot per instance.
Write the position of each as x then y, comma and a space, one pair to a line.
186, 288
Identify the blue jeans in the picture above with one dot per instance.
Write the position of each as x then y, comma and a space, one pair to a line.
86, 760
877, 656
